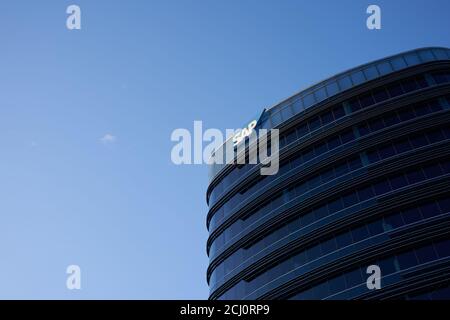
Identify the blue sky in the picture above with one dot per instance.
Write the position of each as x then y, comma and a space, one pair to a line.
137, 70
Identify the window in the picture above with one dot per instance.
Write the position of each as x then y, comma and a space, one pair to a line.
373, 156
354, 105
358, 77
364, 129
391, 119
414, 176
299, 259
314, 124
360, 233
398, 181
394, 221
309, 100
387, 266
406, 114
366, 100
337, 284
345, 83
297, 106
426, 254
430, 210
409, 85
402, 146
432, 171
380, 95
443, 248
320, 212
320, 94
276, 119
287, 112
419, 141
407, 260
327, 117
313, 252
335, 205
321, 148
376, 124
343, 240
350, 199
422, 109
332, 88
412, 59
291, 137
384, 68
338, 112
387, 151
411, 215
347, 136
375, 227
371, 72
398, 63
365, 193
395, 90
328, 246
435, 136
381, 187
333, 143
444, 204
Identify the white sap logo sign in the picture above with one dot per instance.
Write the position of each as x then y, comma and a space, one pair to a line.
242, 134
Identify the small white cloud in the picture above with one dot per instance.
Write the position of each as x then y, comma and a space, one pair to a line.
108, 138
34, 144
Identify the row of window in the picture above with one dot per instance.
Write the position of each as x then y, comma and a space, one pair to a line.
341, 240
374, 155
306, 155
399, 262
379, 123
358, 276
378, 188
325, 176
350, 237
382, 152
300, 131
363, 101
280, 114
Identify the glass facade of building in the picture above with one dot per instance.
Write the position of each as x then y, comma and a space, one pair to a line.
364, 179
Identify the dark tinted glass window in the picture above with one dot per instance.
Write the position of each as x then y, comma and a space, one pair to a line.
366, 100
360, 233
343, 240
375, 227
337, 284
347, 136
380, 95
365, 193
415, 176
395, 90
350, 199
338, 112
353, 278
407, 260
426, 254
430, 210
443, 248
